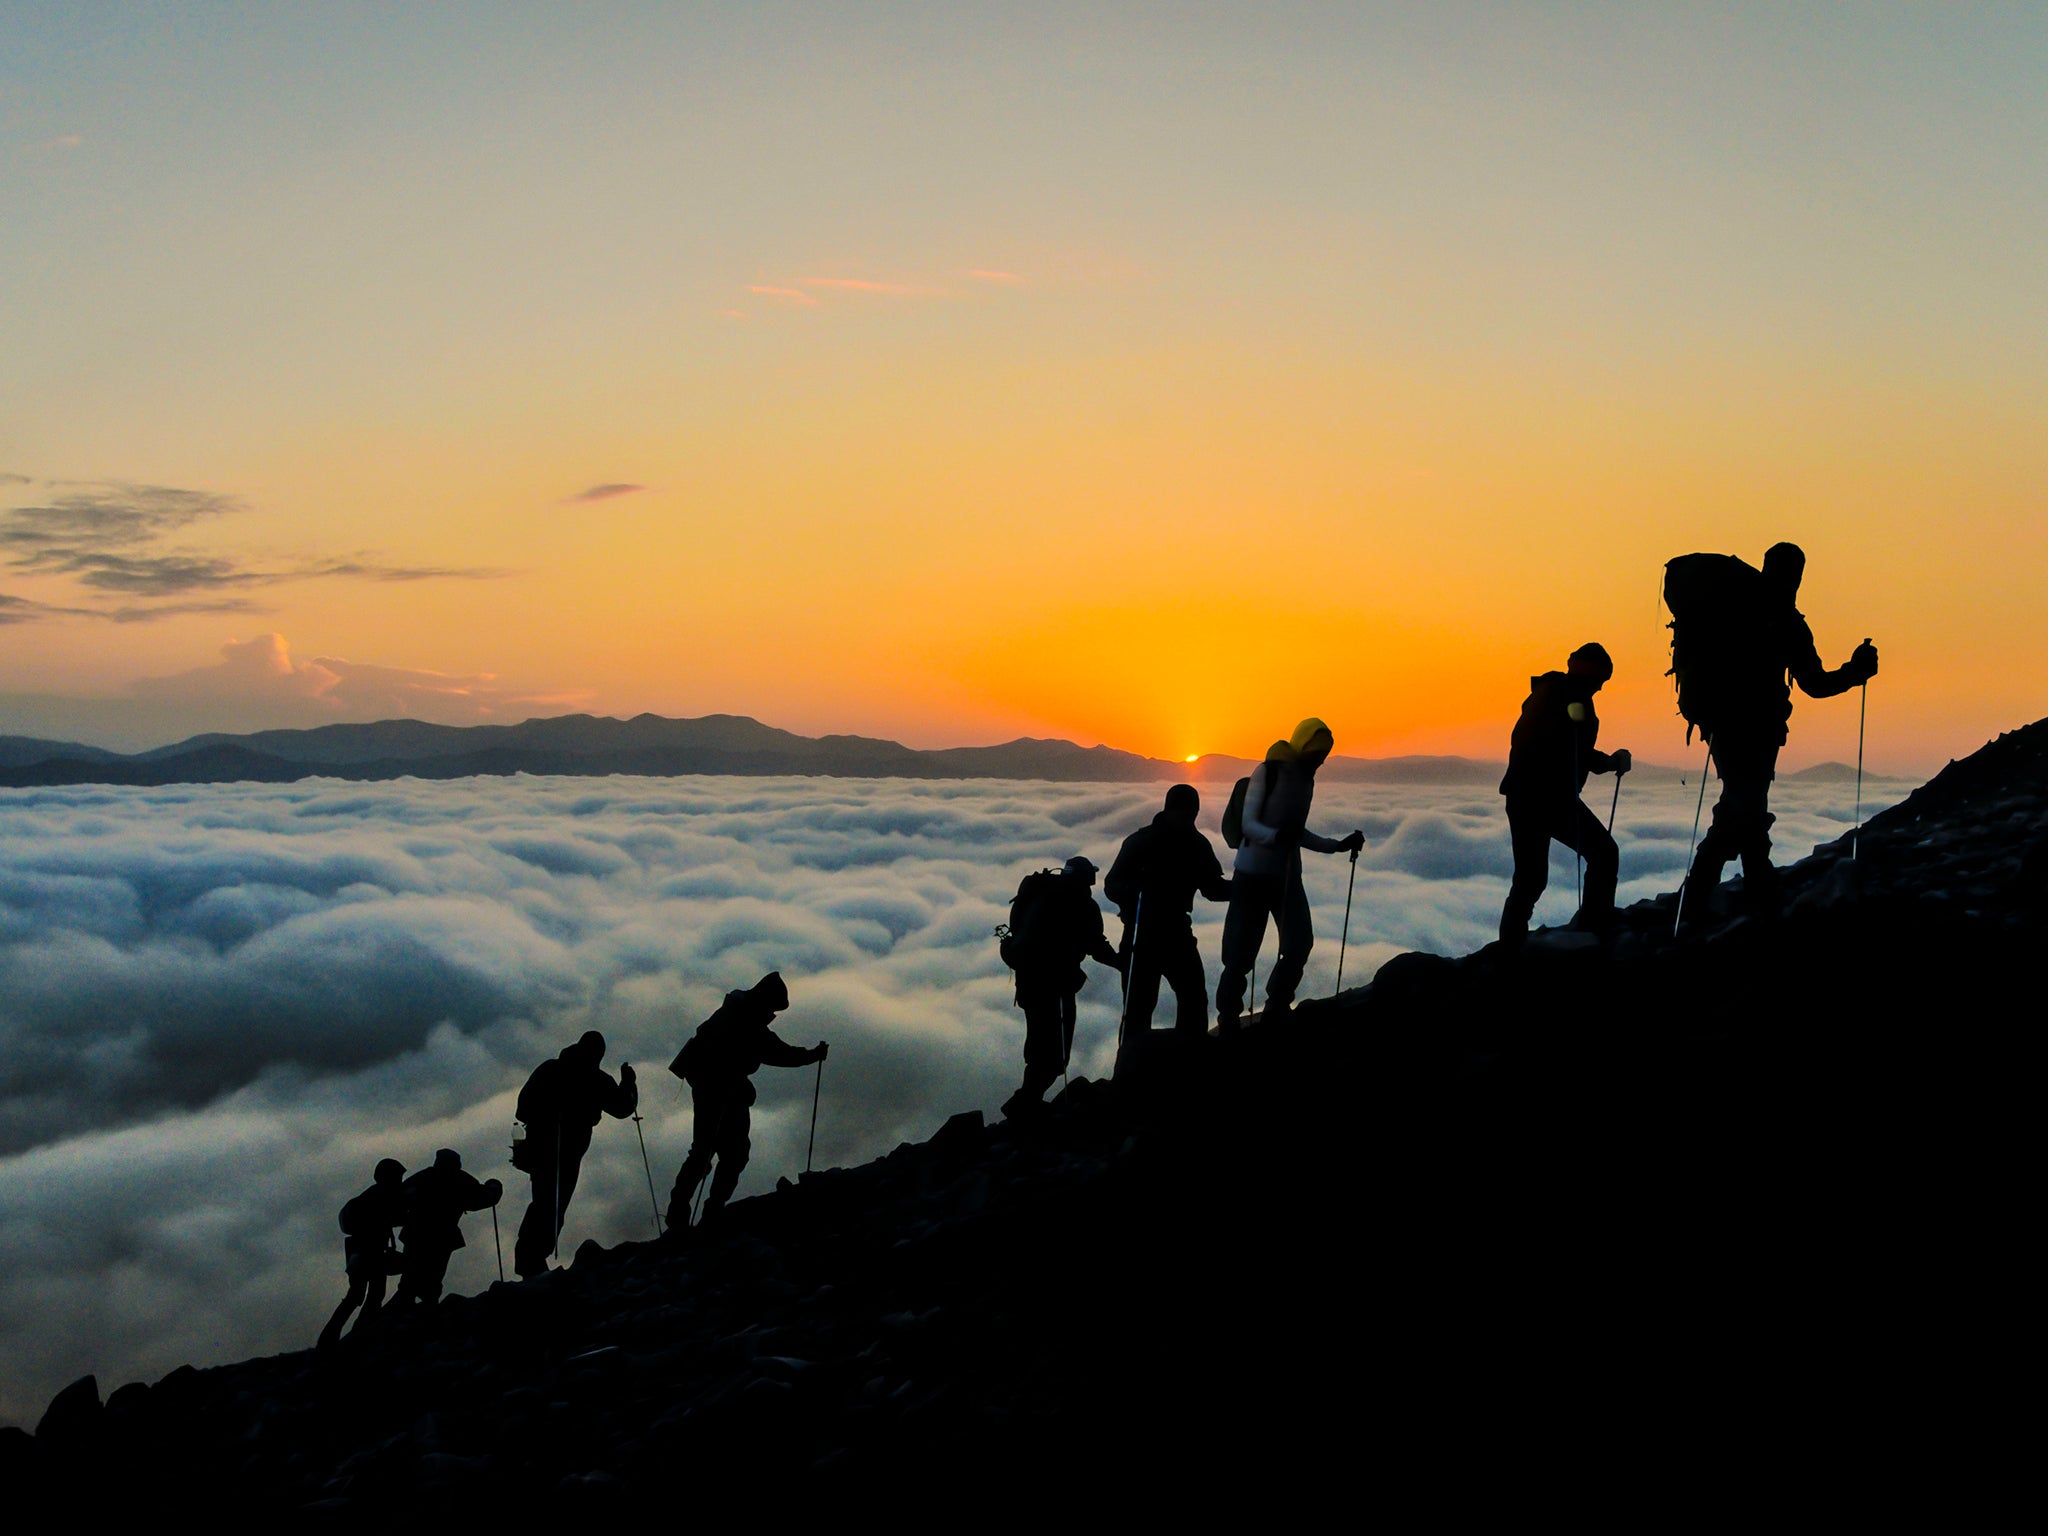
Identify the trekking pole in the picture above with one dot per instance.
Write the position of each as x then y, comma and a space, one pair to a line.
1578, 854
1616, 805
555, 1251
652, 1204
1123, 1019
498, 1243
1679, 916
817, 1091
1862, 714
1345, 940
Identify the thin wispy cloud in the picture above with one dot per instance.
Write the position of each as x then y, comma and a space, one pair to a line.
991, 275
113, 538
865, 285
791, 295
607, 491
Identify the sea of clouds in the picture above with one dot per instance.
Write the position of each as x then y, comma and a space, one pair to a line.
220, 1005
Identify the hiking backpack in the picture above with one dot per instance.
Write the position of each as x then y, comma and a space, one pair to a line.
1717, 612
1233, 813
1028, 908
351, 1214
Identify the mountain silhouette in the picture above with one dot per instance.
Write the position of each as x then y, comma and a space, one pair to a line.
652, 745
1694, 1220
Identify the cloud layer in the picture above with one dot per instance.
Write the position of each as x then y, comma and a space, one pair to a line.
219, 1005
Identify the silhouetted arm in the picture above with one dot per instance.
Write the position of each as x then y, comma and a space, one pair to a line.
1817, 681
1315, 842
1210, 881
1120, 885
1256, 828
623, 1097
1099, 948
778, 1052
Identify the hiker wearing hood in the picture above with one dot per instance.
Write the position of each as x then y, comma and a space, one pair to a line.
1153, 883
1054, 925
719, 1062
436, 1199
1746, 713
1266, 880
1550, 754
367, 1223
560, 1106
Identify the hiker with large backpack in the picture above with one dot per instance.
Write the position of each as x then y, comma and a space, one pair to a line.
1271, 821
1153, 882
367, 1223
1550, 754
719, 1062
1738, 643
1054, 925
436, 1200
560, 1106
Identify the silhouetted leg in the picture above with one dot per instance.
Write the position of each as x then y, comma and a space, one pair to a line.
1746, 763
1529, 834
536, 1238
373, 1303
735, 1147
425, 1271
708, 1108
1297, 938
1580, 830
572, 1165
1048, 1032
358, 1291
1190, 985
1244, 930
1141, 1000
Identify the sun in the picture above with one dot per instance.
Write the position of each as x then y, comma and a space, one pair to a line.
1194, 757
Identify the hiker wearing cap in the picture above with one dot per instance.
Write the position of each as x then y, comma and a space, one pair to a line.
367, 1223
436, 1199
560, 1106
1054, 925
1266, 879
1153, 883
1550, 754
1738, 644
719, 1062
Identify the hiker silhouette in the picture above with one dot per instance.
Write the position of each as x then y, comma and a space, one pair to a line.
1266, 879
1054, 925
719, 1062
367, 1223
1738, 643
436, 1199
1549, 756
560, 1106
1153, 882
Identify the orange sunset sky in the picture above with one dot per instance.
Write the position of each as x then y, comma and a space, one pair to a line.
1150, 375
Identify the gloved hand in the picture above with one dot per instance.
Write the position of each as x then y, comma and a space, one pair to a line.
494, 1190
625, 1072
1863, 662
1354, 842
821, 1052
1622, 761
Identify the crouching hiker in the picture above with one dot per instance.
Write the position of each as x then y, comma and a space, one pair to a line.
719, 1062
560, 1106
1549, 755
1054, 924
367, 1255
436, 1199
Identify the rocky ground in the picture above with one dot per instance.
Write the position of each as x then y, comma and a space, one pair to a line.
1669, 1225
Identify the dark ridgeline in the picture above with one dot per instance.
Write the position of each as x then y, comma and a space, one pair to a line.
1054, 925
646, 745
719, 1062
1553, 750
1661, 1226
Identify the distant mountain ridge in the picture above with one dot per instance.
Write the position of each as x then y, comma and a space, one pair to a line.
645, 745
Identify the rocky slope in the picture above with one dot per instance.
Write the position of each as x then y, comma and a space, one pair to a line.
1670, 1225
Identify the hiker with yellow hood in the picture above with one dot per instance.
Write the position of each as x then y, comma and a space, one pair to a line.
1267, 877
